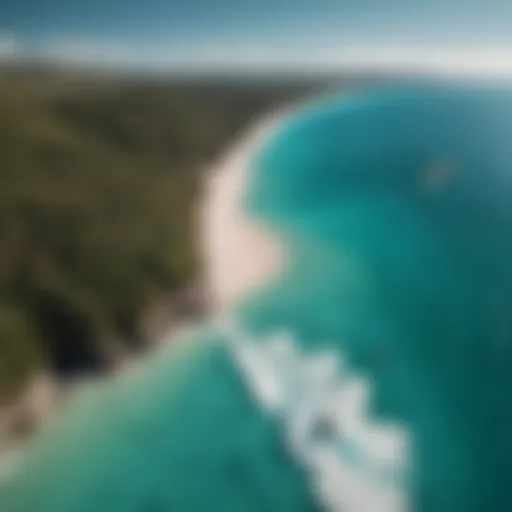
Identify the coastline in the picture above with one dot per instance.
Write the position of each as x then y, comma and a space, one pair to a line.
240, 254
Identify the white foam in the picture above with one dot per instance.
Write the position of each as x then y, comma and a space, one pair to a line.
306, 390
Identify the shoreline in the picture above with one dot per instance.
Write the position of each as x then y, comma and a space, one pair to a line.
239, 253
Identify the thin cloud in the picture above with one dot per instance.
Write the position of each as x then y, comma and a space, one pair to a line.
471, 61
88, 53
8, 47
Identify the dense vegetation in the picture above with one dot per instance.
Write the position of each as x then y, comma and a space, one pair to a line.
98, 179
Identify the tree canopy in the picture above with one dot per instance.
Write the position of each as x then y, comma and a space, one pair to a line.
98, 181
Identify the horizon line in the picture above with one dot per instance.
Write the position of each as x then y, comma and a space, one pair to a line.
478, 61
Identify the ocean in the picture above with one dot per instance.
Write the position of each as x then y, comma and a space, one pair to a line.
394, 210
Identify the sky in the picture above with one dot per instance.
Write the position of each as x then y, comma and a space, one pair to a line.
312, 34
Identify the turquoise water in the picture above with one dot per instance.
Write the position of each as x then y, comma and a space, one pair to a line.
395, 208
180, 434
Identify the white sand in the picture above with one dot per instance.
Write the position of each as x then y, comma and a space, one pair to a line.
239, 254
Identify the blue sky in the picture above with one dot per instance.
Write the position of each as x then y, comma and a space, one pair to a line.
162, 32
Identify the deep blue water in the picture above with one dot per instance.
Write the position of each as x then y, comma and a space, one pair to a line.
395, 206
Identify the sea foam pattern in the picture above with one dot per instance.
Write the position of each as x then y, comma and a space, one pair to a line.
354, 464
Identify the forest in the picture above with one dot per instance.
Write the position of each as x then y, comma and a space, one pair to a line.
99, 176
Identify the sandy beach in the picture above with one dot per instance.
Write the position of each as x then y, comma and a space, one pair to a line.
239, 253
